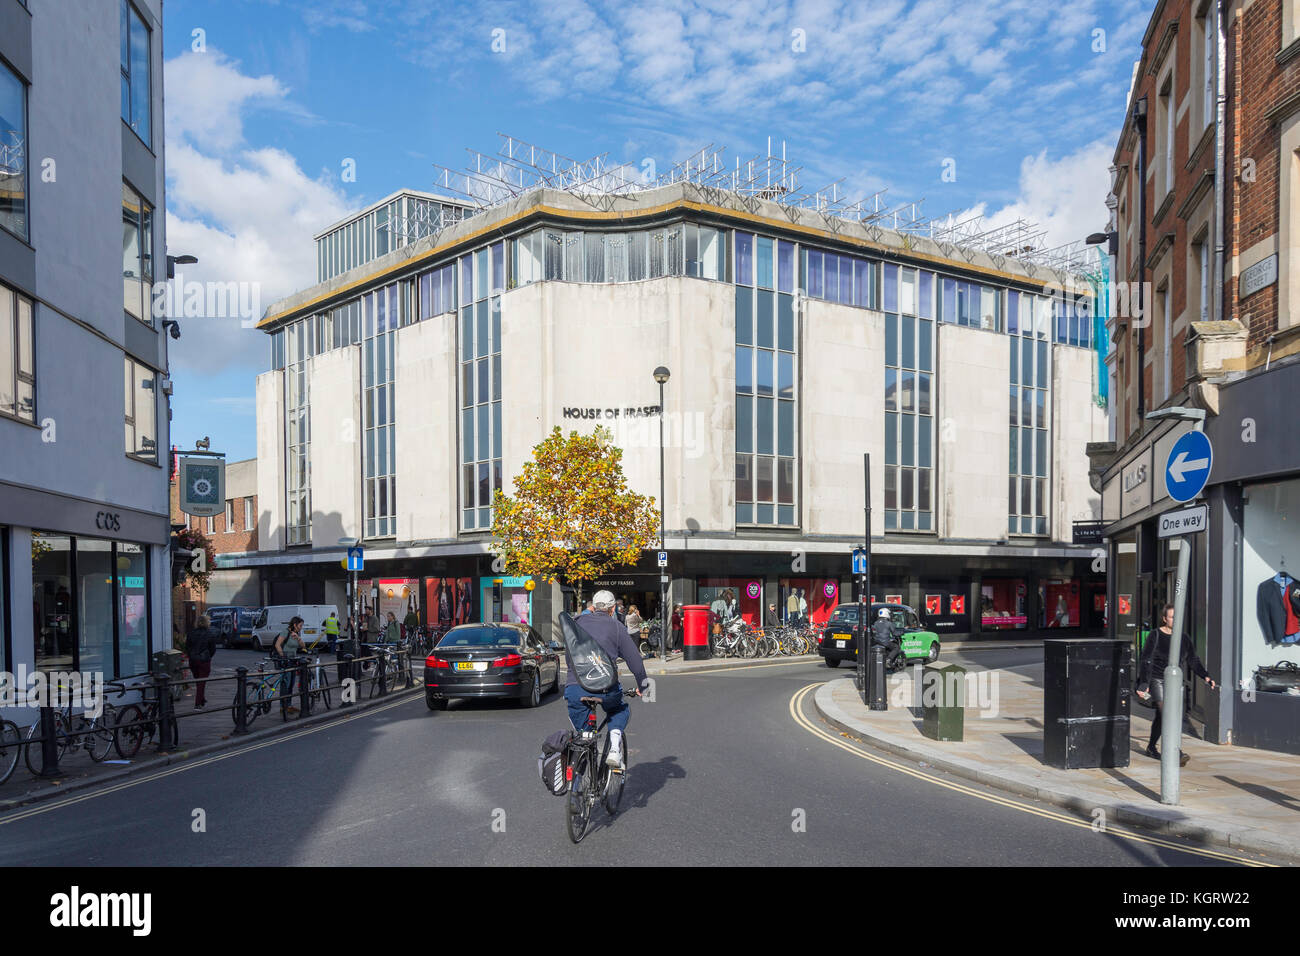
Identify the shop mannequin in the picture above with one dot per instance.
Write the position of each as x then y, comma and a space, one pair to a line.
1275, 607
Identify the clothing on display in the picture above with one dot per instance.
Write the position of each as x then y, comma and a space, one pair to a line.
1276, 604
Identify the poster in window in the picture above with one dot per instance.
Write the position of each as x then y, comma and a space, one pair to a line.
956, 604
893, 599
933, 604
1125, 604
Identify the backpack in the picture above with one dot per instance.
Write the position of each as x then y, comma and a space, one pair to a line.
595, 672
551, 762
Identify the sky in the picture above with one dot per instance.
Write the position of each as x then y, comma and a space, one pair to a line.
282, 116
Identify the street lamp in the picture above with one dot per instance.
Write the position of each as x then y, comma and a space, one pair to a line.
661, 376
1171, 731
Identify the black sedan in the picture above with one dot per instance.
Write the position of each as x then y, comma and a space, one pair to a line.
491, 660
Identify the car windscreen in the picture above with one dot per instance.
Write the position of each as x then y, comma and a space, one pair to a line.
844, 615
479, 637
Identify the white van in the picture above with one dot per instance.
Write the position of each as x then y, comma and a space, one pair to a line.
274, 621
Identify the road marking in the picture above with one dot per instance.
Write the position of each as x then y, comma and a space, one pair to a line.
191, 765
797, 700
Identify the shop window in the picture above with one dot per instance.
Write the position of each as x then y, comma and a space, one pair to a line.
1004, 604
450, 601
1060, 603
1270, 575
52, 608
806, 600
132, 563
733, 596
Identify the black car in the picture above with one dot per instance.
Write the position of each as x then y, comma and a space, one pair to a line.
838, 642
491, 660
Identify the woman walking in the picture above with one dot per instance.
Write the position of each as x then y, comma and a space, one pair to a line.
200, 646
288, 646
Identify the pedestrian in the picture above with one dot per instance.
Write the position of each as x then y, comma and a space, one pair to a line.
332, 631
677, 625
1152, 673
288, 646
411, 622
620, 612
390, 629
773, 619
632, 620
791, 606
200, 647
372, 627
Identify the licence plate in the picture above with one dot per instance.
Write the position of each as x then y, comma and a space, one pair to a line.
839, 644
470, 666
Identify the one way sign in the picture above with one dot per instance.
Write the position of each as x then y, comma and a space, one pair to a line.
1188, 467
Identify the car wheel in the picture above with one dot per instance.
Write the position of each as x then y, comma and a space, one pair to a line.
832, 662
534, 691
934, 651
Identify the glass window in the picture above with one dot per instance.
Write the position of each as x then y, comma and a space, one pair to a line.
785, 375
891, 338
744, 480
763, 261
785, 322
744, 370
17, 357
137, 255
744, 317
764, 430
785, 266
141, 437
52, 601
763, 483
744, 424
891, 288
13, 152
94, 593
766, 306
785, 428
744, 258
135, 70
815, 273
763, 375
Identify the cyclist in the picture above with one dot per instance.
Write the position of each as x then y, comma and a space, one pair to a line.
882, 633
615, 641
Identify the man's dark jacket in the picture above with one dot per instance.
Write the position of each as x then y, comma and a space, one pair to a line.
614, 640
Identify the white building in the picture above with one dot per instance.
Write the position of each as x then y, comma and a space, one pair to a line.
84, 564
407, 388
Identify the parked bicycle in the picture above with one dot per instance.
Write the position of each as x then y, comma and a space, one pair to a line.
73, 732
137, 723
261, 691
594, 781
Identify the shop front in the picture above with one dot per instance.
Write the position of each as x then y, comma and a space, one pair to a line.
508, 599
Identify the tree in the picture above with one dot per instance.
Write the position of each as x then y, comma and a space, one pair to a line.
572, 517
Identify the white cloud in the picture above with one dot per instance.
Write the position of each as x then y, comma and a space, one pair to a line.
1066, 196
247, 214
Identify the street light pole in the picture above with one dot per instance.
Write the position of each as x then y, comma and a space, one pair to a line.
661, 375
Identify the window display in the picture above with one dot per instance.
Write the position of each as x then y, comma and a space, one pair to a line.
810, 600
734, 596
449, 601
1270, 626
1058, 603
1002, 604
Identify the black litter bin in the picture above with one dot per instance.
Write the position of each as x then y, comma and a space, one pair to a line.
1086, 687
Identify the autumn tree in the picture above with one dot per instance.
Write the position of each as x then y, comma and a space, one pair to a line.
572, 517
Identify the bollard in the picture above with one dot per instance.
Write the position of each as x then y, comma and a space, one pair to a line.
49, 744
878, 695
349, 671
241, 700
380, 661
304, 692
166, 719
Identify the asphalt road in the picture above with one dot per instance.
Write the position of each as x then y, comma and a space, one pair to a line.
723, 771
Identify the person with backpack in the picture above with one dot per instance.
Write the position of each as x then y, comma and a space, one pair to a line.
613, 639
200, 646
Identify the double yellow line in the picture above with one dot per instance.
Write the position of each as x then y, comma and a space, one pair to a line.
193, 764
796, 712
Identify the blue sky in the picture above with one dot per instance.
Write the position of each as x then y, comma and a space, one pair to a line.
266, 99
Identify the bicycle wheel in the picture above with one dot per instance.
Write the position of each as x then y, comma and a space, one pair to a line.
252, 704
11, 745
98, 735
128, 732
578, 804
321, 693
614, 780
33, 752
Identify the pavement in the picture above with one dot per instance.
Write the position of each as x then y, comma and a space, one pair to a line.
1231, 797
200, 732
675, 664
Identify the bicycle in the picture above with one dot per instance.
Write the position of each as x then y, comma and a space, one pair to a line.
11, 746
593, 780
318, 684
261, 693
95, 735
136, 723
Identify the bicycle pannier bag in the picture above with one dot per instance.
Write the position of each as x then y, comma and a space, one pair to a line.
550, 762
593, 668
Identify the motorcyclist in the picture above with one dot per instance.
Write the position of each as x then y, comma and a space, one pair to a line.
882, 633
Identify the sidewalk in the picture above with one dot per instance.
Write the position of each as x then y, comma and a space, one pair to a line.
201, 732
1232, 798
676, 665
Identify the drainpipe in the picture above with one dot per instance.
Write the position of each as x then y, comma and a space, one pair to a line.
1220, 108
1140, 120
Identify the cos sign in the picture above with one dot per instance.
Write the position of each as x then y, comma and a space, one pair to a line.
108, 521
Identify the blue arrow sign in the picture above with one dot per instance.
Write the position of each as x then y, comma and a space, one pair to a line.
859, 561
1188, 467
356, 561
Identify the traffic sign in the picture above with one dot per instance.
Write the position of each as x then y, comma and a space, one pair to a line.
663, 559
356, 559
859, 560
1188, 468
1184, 521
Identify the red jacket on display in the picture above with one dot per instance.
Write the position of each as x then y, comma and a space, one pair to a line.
1277, 615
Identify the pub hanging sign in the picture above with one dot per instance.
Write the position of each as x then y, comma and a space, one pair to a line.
202, 486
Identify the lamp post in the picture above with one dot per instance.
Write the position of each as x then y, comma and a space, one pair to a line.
1171, 731
661, 376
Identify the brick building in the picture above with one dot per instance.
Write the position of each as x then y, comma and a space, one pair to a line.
1206, 272
233, 535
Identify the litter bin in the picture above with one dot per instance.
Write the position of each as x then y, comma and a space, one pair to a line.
346, 646
943, 701
695, 639
171, 664
1086, 686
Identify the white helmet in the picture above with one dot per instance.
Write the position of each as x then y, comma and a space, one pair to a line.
603, 600
883, 612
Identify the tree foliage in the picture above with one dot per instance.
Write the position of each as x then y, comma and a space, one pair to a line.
189, 539
573, 517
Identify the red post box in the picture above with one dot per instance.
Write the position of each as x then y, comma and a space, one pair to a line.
695, 637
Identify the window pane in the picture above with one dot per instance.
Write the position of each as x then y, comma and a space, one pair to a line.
763, 375
785, 267
763, 261
13, 152
814, 273
923, 394
744, 479
744, 317
909, 341
785, 481
891, 438
744, 423
1013, 462
925, 296
93, 588
763, 479
785, 375
908, 449
923, 449
8, 400
763, 438
744, 258
905, 487
891, 390
785, 428
766, 305
140, 78
923, 345
484, 485
891, 338
1040, 464
482, 394
891, 288
923, 489
744, 369
481, 328
1013, 500
906, 393
496, 430
785, 322
891, 487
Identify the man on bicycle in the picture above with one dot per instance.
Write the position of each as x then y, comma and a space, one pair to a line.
615, 641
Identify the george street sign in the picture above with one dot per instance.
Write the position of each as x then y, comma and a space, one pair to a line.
1186, 521
1188, 467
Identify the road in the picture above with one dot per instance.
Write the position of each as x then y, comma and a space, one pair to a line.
725, 768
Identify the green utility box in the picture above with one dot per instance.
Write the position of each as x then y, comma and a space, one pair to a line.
943, 701
170, 662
